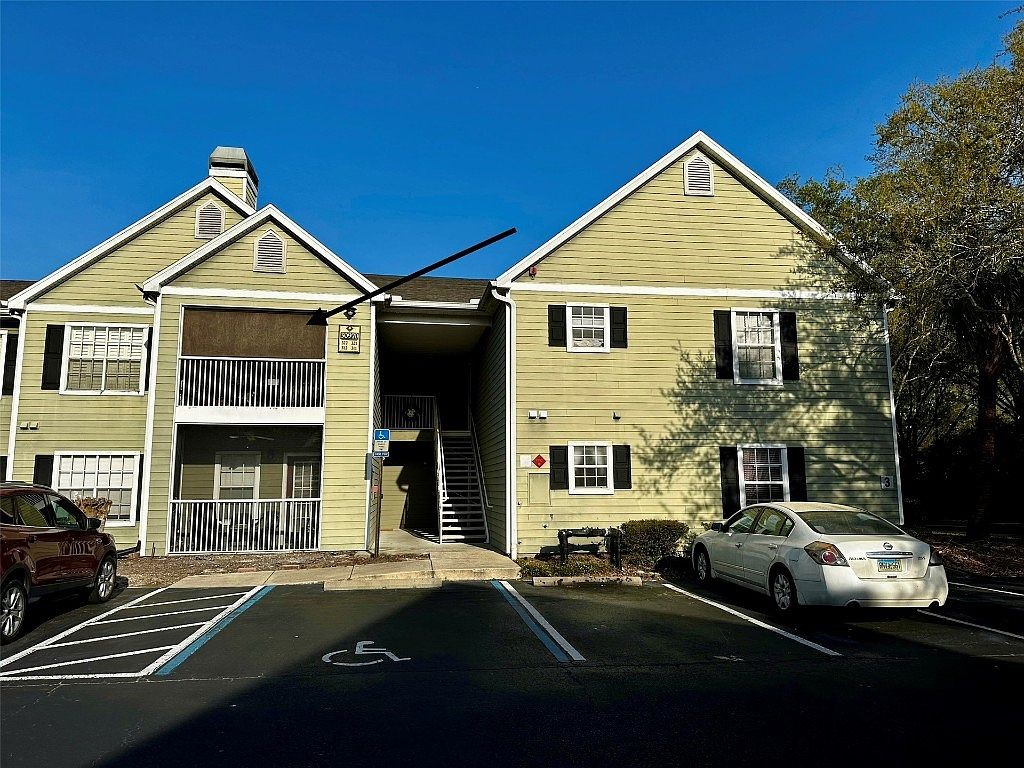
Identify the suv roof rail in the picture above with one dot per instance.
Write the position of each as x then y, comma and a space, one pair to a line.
21, 484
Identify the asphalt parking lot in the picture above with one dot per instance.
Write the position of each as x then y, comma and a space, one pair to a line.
508, 674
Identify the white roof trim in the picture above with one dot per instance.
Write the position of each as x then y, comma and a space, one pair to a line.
715, 152
244, 227
19, 300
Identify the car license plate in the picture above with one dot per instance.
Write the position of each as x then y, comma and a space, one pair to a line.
889, 565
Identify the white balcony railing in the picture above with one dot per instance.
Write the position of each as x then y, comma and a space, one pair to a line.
249, 525
233, 382
409, 412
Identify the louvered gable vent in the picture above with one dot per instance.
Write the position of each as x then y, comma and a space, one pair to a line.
209, 221
269, 254
697, 177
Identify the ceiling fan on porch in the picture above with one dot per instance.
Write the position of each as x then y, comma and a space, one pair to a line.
320, 316
250, 437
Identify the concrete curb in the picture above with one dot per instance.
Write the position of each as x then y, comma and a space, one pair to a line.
565, 581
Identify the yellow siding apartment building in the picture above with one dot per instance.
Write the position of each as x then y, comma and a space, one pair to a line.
677, 351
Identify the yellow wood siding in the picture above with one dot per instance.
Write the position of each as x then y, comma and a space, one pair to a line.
74, 423
489, 420
660, 237
232, 267
235, 183
346, 438
112, 279
675, 413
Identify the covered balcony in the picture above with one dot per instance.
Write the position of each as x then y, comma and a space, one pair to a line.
245, 488
245, 365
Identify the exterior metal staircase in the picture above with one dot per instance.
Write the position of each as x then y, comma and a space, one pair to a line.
462, 516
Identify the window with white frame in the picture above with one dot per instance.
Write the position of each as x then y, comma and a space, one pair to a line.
764, 475
757, 348
100, 476
589, 328
238, 476
590, 468
104, 358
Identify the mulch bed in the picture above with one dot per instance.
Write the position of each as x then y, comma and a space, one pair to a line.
994, 557
578, 565
162, 571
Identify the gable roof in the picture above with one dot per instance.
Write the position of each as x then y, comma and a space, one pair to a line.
36, 289
441, 289
719, 154
10, 288
245, 226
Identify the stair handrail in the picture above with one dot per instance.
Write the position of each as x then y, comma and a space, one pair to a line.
442, 485
479, 461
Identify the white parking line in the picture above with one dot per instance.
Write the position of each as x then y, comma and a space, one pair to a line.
95, 619
126, 634
970, 624
562, 643
8, 675
158, 615
194, 599
756, 622
986, 589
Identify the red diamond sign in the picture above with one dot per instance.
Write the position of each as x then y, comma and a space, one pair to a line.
539, 461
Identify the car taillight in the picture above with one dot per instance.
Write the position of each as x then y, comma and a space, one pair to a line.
934, 558
824, 553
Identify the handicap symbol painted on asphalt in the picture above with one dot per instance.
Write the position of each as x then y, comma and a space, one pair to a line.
362, 649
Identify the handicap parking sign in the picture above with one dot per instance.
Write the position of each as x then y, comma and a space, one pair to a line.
382, 434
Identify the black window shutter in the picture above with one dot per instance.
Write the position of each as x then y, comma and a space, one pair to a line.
42, 471
728, 459
723, 344
3, 467
622, 470
138, 482
797, 473
559, 477
149, 359
790, 353
620, 337
10, 363
53, 356
556, 325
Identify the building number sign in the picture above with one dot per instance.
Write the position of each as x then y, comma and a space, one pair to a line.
348, 339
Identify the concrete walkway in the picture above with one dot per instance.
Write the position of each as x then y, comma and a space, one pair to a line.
444, 562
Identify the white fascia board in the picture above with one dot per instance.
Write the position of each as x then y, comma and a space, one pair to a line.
228, 236
19, 300
720, 155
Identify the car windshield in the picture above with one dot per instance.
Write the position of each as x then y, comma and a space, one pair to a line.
848, 522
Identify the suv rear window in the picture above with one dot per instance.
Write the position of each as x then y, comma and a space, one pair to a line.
848, 522
7, 510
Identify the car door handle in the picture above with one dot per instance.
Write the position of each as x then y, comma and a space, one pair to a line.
31, 538
773, 546
738, 544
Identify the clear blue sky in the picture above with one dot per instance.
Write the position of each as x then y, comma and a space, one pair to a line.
399, 133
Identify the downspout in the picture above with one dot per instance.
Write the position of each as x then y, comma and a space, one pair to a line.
886, 309
512, 506
19, 363
147, 450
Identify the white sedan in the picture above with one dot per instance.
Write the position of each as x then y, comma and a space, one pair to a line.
807, 553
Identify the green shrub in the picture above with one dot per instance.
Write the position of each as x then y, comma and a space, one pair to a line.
646, 542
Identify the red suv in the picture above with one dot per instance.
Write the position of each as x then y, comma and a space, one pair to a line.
48, 546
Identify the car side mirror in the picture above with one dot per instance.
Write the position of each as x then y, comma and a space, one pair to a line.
93, 523
717, 526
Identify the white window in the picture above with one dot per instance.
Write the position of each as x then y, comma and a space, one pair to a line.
698, 177
104, 359
764, 474
302, 477
590, 468
238, 476
757, 347
589, 328
111, 476
269, 253
209, 221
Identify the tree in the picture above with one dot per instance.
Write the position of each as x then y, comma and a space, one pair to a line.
941, 219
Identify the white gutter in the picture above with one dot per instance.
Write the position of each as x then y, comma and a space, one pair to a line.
19, 363
892, 407
147, 455
511, 504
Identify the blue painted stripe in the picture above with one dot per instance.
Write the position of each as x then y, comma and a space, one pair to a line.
538, 630
177, 660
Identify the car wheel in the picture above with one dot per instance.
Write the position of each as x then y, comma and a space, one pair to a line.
13, 602
106, 577
702, 566
783, 591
